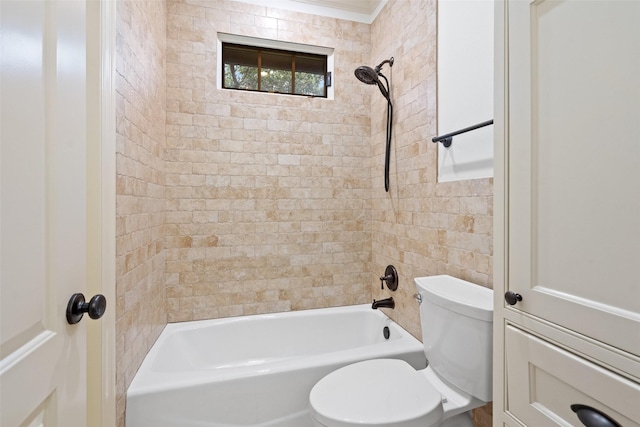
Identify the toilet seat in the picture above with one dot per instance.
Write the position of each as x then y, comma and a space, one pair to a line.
380, 392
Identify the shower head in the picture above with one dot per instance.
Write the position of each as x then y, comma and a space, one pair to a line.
366, 75
371, 76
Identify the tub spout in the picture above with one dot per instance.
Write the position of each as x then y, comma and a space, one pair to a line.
387, 302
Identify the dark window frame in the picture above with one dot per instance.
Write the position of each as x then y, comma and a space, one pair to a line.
259, 52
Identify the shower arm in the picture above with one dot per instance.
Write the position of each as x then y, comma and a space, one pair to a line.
386, 61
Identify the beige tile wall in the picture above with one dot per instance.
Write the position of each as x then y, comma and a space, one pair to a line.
276, 203
421, 227
140, 199
267, 194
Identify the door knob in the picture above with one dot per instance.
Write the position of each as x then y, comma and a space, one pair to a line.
77, 306
512, 298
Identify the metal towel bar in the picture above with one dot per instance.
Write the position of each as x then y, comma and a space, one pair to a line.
447, 139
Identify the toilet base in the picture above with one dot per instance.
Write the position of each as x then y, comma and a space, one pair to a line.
460, 420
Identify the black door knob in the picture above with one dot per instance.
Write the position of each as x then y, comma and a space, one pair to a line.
511, 297
77, 306
591, 417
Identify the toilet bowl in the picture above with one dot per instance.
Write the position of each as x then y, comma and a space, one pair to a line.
407, 399
456, 319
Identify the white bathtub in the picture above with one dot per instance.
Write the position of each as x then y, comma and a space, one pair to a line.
256, 370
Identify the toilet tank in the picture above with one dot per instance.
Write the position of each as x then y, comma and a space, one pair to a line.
456, 318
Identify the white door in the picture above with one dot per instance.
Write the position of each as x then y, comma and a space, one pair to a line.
43, 212
574, 165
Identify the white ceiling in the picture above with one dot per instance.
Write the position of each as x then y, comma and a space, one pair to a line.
366, 7
352, 10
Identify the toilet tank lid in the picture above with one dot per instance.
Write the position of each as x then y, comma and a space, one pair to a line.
457, 295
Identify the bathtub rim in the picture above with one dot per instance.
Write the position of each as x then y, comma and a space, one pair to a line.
147, 380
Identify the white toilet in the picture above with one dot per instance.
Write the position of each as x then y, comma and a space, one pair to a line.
456, 319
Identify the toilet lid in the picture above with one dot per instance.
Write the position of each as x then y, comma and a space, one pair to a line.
381, 392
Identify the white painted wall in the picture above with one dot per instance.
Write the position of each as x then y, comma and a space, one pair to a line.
465, 87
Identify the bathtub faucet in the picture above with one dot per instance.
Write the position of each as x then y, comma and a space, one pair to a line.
387, 302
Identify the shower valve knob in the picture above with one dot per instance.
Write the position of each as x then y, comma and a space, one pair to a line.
512, 298
390, 278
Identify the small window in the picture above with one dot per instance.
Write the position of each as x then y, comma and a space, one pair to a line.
272, 70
